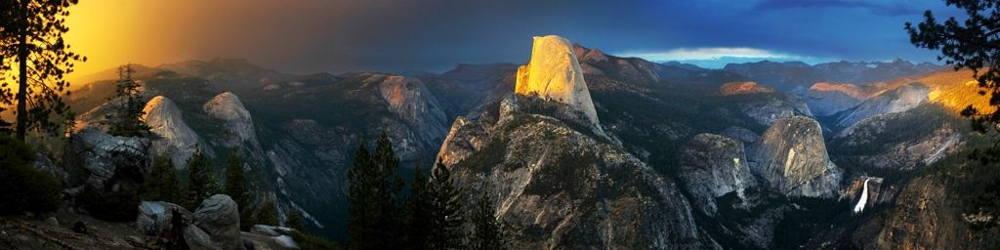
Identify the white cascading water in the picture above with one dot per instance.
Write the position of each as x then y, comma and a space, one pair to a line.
864, 198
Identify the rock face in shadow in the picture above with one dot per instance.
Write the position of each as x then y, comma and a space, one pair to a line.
410, 99
791, 155
173, 136
896, 100
826, 99
712, 166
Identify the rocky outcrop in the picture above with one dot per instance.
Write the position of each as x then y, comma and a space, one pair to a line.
740, 88
238, 123
218, 217
277, 235
413, 102
792, 157
927, 216
879, 191
555, 74
559, 188
826, 99
896, 100
904, 140
459, 146
106, 162
712, 166
174, 138
555, 183
155, 217
767, 109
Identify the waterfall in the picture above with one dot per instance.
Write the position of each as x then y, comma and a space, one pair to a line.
864, 198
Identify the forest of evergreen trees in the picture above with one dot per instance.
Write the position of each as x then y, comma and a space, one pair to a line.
433, 215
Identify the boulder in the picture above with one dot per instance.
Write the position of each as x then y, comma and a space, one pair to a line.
270, 230
286, 242
106, 162
155, 217
219, 217
198, 239
44, 164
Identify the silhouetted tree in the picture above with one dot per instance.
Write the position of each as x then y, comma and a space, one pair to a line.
201, 180
447, 212
294, 220
489, 232
267, 213
236, 187
974, 44
31, 37
418, 213
126, 120
374, 187
162, 183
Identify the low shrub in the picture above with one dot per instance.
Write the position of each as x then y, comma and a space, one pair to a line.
22, 186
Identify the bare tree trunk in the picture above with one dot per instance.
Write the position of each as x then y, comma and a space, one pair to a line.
22, 59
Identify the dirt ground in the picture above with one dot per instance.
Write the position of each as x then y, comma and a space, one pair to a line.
42, 232
34, 232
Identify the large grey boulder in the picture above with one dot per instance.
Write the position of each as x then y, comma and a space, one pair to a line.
106, 162
219, 217
198, 239
155, 216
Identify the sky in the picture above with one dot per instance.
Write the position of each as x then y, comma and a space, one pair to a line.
308, 36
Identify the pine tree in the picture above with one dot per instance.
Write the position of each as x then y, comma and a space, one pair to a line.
31, 37
236, 187
375, 213
126, 120
162, 184
488, 233
201, 180
447, 212
973, 44
267, 213
418, 213
294, 220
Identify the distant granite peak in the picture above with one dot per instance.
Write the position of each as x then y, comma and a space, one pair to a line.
554, 74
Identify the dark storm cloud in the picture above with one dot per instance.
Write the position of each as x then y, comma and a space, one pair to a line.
891, 8
386, 35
